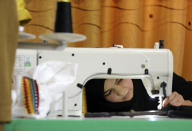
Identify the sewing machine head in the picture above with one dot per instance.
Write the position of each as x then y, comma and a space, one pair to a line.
153, 66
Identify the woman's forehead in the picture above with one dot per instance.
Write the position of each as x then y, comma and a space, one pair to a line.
109, 83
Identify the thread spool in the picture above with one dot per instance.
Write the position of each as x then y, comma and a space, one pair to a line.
63, 20
161, 44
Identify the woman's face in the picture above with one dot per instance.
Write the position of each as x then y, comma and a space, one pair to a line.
118, 90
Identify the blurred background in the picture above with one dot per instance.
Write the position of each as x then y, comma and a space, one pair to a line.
131, 23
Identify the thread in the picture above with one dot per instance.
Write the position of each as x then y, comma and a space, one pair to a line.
64, 0
30, 94
63, 19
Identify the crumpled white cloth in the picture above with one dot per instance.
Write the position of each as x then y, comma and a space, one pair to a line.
53, 78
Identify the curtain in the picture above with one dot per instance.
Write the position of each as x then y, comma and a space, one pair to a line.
131, 23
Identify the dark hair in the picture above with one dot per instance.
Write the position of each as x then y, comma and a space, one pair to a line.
96, 101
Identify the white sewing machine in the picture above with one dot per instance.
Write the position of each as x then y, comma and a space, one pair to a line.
153, 66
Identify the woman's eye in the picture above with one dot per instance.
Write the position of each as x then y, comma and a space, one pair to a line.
108, 92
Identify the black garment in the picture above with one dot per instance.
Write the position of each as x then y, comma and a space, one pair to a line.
141, 101
182, 86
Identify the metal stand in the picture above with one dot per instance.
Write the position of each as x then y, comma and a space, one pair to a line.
63, 38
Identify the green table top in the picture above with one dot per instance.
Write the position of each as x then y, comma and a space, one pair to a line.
100, 125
